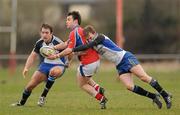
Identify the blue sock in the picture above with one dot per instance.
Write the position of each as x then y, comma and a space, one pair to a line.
25, 96
48, 86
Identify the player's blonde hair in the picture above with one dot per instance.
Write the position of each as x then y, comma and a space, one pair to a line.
88, 29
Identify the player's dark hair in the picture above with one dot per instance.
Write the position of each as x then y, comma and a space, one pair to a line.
76, 16
47, 26
88, 29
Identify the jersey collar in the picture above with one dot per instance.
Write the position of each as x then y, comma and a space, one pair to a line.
76, 26
50, 40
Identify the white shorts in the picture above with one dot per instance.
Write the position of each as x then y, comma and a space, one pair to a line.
89, 69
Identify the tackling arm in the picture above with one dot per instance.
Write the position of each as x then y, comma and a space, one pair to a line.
65, 52
97, 41
60, 46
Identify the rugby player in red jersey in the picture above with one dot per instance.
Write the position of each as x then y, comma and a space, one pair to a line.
89, 60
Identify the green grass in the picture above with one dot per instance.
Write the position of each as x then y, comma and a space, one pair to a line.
66, 98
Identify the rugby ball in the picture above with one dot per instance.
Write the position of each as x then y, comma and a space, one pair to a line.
45, 51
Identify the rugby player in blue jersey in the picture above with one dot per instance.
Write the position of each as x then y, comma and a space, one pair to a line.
126, 65
48, 70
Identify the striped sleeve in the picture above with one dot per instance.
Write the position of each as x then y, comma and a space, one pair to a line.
57, 40
72, 40
37, 46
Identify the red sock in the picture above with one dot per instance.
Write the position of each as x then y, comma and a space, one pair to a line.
97, 87
99, 96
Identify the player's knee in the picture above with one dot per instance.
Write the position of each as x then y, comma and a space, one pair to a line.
55, 72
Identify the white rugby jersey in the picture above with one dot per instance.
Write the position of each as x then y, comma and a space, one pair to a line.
40, 43
109, 50
105, 47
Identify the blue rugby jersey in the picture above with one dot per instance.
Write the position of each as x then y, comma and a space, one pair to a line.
105, 47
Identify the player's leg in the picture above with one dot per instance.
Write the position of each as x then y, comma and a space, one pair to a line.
127, 63
140, 73
96, 86
36, 79
84, 77
54, 73
91, 82
127, 80
83, 84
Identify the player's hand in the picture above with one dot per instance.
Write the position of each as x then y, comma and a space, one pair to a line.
52, 57
67, 65
25, 72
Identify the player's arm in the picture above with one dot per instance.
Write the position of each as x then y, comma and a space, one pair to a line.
96, 42
31, 58
69, 57
71, 44
65, 52
61, 46
29, 62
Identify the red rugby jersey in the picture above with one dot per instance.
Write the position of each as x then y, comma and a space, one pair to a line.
76, 38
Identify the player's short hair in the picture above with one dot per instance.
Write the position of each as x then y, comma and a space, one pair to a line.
76, 16
88, 29
47, 26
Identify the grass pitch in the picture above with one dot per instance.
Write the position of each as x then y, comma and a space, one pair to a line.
66, 98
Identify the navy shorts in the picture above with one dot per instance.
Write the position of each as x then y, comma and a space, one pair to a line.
128, 61
46, 67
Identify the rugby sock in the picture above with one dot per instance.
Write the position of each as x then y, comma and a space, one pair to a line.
141, 91
99, 96
156, 86
25, 96
49, 84
96, 87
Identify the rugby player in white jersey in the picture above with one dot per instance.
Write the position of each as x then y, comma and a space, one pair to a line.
126, 65
48, 70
